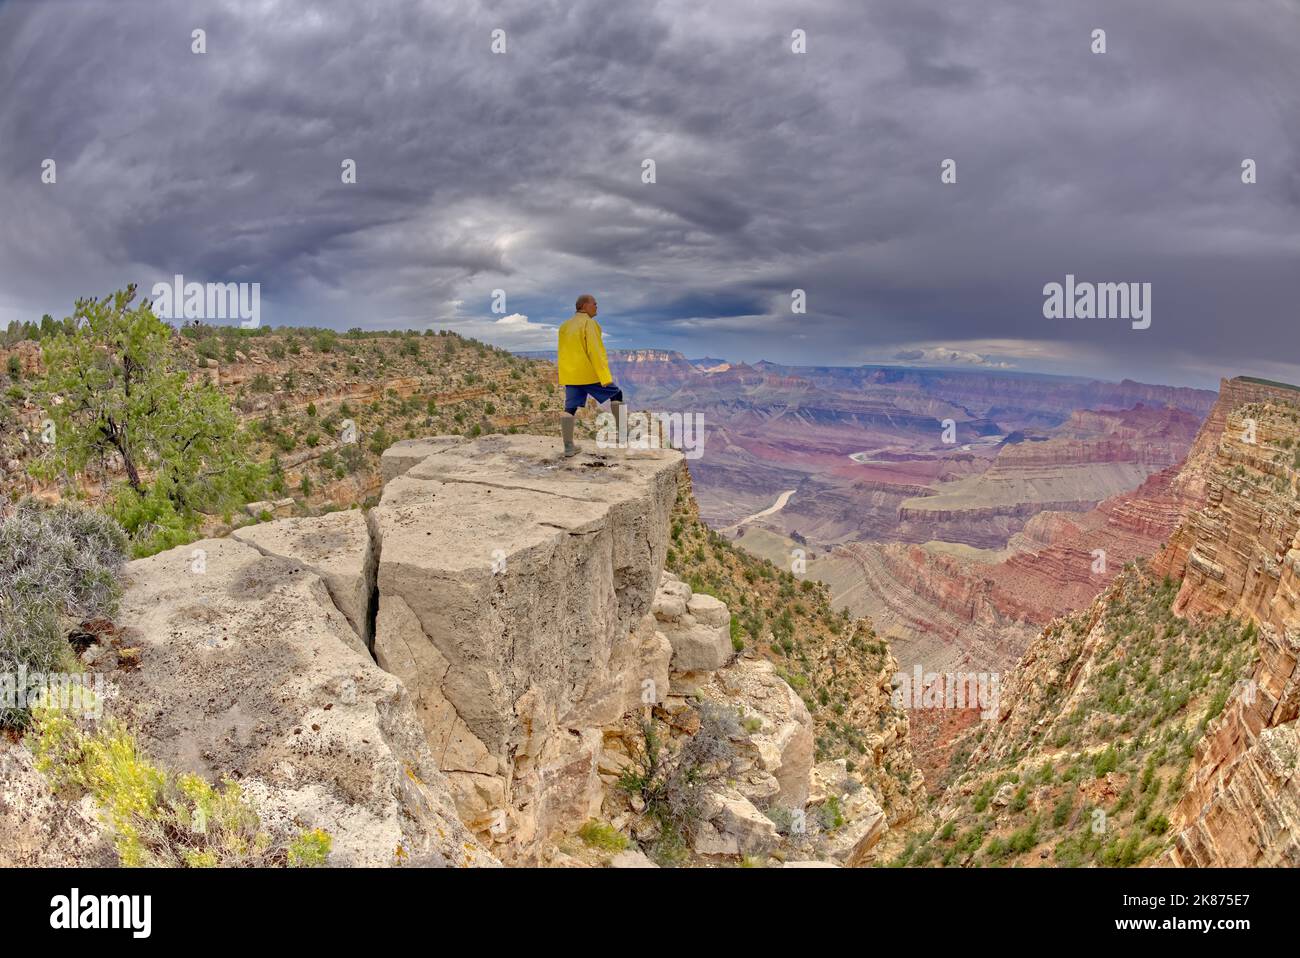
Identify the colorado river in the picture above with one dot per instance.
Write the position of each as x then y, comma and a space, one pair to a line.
777, 506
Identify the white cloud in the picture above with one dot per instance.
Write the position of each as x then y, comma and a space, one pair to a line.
510, 332
947, 356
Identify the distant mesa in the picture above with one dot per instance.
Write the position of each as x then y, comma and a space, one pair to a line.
708, 364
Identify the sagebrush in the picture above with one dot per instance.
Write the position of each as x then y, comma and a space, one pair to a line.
59, 566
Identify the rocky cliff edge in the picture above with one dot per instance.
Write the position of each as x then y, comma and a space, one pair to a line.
463, 675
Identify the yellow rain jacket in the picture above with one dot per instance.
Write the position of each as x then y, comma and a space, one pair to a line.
582, 359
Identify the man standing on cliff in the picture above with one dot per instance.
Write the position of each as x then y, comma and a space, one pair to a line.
584, 369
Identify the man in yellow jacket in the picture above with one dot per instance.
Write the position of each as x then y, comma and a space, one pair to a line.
584, 368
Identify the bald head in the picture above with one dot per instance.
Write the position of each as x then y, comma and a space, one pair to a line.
586, 304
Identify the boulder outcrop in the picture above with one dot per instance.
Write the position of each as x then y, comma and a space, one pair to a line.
775, 801
337, 548
776, 747
248, 669
509, 584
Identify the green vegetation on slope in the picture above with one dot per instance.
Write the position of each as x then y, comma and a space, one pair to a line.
1088, 771
835, 662
142, 429
449, 386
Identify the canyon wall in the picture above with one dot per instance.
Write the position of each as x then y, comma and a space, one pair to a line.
1218, 608
1238, 555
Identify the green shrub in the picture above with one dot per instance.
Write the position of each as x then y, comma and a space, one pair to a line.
126, 398
1023, 839
598, 834
354, 457
59, 566
672, 784
1061, 811
310, 849
1105, 761
832, 816
154, 522
1020, 799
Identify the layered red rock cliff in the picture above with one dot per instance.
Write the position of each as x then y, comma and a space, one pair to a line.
1229, 682
1059, 562
1239, 555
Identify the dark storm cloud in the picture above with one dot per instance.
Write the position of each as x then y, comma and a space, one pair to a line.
774, 171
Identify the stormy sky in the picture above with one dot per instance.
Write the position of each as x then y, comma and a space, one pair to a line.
775, 170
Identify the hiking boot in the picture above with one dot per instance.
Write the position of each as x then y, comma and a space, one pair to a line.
566, 430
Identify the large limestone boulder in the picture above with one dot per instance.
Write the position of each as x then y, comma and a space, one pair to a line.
511, 583
698, 627
772, 743
776, 752
337, 548
401, 456
829, 779
249, 669
864, 820
637, 677
734, 826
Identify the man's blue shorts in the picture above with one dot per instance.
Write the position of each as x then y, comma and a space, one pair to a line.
575, 397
